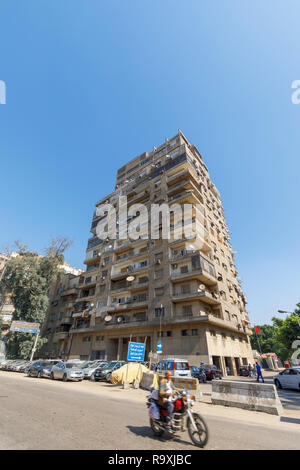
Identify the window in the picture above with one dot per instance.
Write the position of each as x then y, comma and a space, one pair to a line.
195, 332
99, 338
184, 269
160, 334
185, 289
159, 312
184, 332
86, 339
169, 333
187, 309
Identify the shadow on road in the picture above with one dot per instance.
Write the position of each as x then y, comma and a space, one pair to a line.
146, 431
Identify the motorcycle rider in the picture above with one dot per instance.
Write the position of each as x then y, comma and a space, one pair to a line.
165, 397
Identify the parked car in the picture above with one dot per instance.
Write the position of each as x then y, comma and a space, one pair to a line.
198, 373
244, 371
16, 367
67, 371
25, 366
288, 378
211, 371
104, 372
6, 364
178, 367
41, 368
90, 367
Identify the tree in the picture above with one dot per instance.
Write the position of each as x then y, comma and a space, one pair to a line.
287, 331
28, 278
278, 337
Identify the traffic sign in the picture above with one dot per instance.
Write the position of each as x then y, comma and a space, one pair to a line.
136, 351
24, 327
159, 347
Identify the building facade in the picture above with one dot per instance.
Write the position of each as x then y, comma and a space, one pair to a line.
6, 305
182, 291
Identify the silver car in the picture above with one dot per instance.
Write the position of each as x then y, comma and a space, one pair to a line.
288, 378
90, 368
67, 371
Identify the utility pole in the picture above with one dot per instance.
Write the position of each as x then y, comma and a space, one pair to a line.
34, 346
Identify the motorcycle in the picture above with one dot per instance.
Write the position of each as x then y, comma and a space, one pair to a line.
183, 418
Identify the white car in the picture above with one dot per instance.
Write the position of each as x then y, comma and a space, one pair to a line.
288, 378
178, 367
67, 371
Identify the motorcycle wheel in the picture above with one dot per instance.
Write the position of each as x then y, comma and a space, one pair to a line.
200, 437
156, 429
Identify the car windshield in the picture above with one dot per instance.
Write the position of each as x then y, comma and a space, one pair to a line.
181, 365
72, 365
86, 365
110, 364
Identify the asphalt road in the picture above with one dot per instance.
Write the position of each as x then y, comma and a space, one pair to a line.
44, 414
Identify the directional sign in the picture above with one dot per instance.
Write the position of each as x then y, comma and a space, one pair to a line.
24, 327
136, 351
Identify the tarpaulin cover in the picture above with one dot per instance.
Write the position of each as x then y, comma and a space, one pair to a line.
135, 371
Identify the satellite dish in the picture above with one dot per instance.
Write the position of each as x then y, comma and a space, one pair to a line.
201, 287
130, 278
107, 318
119, 319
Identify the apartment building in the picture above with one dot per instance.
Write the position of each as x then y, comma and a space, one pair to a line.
6, 305
182, 291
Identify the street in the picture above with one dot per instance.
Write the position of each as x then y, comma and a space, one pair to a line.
45, 414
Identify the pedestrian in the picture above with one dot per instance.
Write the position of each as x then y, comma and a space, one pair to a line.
259, 374
250, 370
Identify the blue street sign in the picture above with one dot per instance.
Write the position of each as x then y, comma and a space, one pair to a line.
159, 347
136, 351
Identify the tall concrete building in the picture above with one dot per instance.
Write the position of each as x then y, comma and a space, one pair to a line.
182, 291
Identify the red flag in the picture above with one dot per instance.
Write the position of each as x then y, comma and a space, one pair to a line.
256, 329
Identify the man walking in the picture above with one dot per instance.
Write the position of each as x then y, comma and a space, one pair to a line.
259, 374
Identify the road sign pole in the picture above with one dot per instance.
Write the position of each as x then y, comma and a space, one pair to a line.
34, 346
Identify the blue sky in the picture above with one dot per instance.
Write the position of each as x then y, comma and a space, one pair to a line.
93, 83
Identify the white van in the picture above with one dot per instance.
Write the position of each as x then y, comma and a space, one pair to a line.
178, 367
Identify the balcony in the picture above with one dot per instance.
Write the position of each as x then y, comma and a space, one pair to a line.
58, 336
124, 320
128, 286
194, 273
204, 295
129, 270
129, 303
131, 254
92, 258
185, 197
186, 174
139, 197
70, 291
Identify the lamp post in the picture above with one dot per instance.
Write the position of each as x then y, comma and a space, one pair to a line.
291, 313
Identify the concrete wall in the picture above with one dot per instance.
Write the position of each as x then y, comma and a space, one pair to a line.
250, 396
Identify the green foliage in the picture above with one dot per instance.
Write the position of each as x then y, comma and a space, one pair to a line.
279, 336
28, 278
